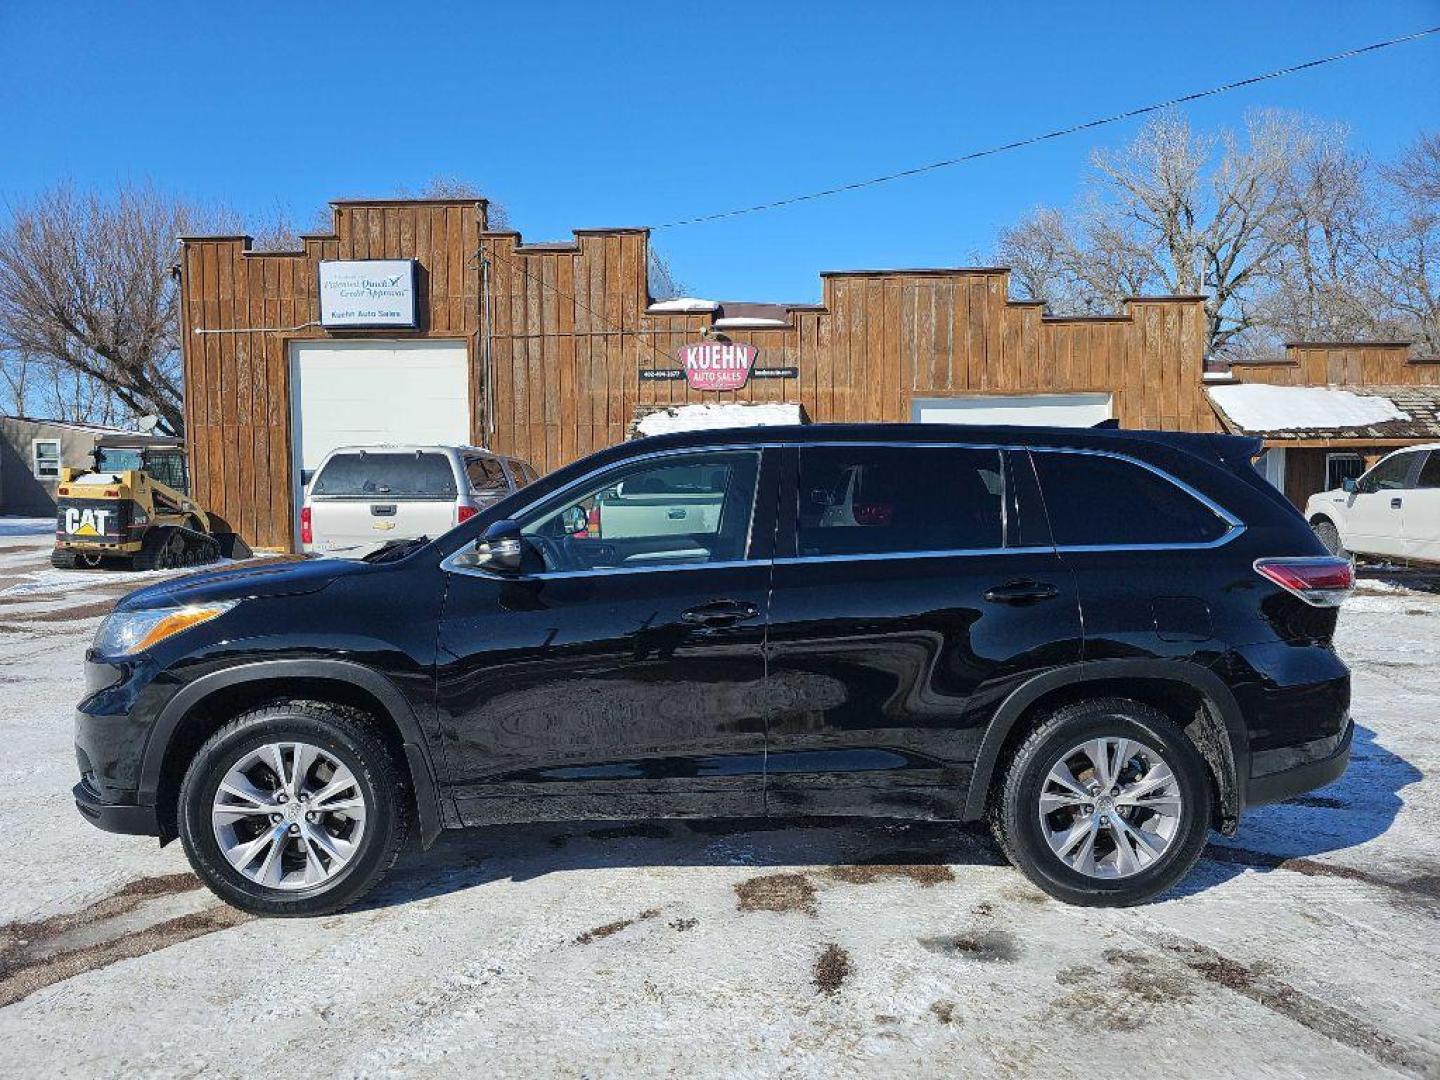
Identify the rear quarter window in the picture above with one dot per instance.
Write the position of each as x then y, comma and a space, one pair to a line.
486, 475
1095, 500
387, 476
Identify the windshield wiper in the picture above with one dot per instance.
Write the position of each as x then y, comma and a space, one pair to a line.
395, 549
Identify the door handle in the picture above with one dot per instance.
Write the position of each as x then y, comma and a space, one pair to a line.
1021, 592
1395, 503
719, 613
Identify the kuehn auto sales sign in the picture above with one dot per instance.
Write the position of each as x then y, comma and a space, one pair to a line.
368, 292
716, 365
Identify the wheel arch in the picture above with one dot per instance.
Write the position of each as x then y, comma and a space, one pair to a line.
1193, 696
202, 706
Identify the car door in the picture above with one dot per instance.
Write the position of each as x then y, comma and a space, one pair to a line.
1422, 511
899, 623
616, 676
1375, 510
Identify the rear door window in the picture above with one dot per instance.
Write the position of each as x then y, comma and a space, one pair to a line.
863, 500
486, 475
1095, 500
386, 475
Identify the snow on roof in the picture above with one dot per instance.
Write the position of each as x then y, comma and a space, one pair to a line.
728, 414
748, 323
1257, 407
682, 304
1218, 376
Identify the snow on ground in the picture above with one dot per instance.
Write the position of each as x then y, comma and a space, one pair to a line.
23, 526
1306, 946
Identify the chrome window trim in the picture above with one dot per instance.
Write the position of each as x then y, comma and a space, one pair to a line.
1235, 526
448, 564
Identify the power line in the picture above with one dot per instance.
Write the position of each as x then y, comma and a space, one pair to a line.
1056, 134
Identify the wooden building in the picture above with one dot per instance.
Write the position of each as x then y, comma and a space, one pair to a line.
549, 351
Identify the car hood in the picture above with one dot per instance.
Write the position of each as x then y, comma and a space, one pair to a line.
278, 577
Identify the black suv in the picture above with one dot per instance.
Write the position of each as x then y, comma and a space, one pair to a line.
1104, 642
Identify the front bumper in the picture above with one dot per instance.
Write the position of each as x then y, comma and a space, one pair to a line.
115, 817
1302, 776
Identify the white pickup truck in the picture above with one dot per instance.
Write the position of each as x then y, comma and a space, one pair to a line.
1392, 511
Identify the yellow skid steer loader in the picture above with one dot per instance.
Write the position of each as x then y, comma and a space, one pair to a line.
132, 509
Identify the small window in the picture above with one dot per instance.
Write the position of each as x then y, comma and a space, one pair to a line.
862, 500
486, 475
1392, 474
692, 509
1097, 500
1430, 471
1342, 467
364, 475
46, 454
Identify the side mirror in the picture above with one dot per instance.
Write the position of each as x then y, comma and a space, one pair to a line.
499, 549
1350, 484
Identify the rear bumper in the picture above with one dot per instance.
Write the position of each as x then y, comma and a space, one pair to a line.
1303, 776
115, 817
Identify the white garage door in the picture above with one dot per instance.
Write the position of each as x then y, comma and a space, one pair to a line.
1028, 410
347, 392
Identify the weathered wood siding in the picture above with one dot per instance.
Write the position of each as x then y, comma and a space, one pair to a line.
569, 336
237, 401
1345, 364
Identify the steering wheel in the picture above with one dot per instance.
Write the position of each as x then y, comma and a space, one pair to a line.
557, 555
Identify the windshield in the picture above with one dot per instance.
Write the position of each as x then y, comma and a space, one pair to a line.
394, 475
114, 460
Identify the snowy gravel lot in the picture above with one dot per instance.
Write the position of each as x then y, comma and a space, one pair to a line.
1308, 946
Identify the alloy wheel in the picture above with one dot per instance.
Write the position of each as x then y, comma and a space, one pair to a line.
288, 815
1110, 807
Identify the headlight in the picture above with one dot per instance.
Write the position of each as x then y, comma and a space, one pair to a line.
126, 632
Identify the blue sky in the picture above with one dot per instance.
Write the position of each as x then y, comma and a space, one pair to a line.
582, 115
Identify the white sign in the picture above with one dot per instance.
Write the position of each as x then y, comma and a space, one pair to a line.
368, 292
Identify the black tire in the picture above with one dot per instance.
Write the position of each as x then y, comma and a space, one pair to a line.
352, 737
1015, 816
63, 559
1326, 532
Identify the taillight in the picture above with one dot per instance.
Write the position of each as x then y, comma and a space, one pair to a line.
307, 533
1322, 582
871, 513
464, 513
592, 525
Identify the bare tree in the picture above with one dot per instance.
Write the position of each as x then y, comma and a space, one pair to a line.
663, 283
442, 186
1181, 213
85, 284
1405, 246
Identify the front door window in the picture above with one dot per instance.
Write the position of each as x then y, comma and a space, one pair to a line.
674, 510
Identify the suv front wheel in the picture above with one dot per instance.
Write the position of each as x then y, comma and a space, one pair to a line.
294, 808
1106, 803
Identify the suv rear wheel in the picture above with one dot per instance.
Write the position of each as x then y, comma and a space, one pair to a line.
1106, 803
294, 808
